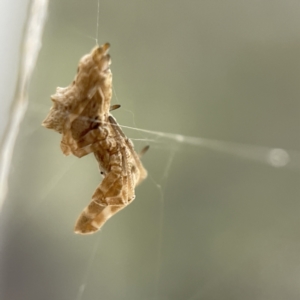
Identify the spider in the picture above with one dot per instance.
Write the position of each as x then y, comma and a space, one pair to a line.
81, 113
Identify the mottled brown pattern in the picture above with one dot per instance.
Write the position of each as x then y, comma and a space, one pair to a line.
81, 113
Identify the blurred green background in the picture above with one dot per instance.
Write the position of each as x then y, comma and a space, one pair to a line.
204, 225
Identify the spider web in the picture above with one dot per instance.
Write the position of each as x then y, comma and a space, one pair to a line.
216, 98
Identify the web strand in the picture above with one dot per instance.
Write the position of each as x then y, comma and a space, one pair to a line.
88, 270
275, 157
97, 26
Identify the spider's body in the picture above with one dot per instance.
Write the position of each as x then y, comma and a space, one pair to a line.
81, 114
84, 104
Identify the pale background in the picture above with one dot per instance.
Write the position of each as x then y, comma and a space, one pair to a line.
204, 225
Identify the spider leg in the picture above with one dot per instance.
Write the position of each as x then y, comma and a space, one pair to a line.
91, 142
144, 150
129, 193
108, 143
93, 136
118, 130
115, 106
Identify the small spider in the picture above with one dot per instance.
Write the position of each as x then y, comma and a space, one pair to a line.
81, 113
